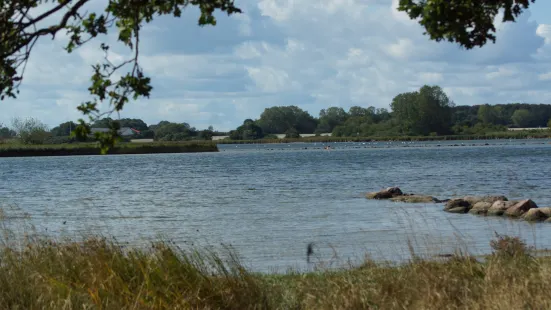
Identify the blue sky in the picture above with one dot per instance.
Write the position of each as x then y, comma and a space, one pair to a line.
313, 54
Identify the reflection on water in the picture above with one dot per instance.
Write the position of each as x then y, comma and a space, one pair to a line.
269, 201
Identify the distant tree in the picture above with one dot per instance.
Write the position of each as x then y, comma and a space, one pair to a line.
279, 119
486, 114
467, 23
63, 129
248, 131
30, 130
422, 112
331, 118
522, 118
206, 134
167, 131
549, 123
6, 133
357, 111
135, 123
292, 133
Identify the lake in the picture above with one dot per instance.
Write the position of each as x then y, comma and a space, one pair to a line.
269, 201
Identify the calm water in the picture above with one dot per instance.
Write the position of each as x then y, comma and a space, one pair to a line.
269, 201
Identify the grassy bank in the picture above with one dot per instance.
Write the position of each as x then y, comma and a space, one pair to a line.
536, 134
98, 274
18, 150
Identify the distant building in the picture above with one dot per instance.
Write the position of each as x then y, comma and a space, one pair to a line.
124, 131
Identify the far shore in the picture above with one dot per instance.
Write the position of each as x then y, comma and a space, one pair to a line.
10, 149
326, 139
73, 149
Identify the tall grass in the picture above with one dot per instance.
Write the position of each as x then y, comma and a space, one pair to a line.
101, 274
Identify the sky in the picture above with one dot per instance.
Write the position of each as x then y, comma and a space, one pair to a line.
312, 54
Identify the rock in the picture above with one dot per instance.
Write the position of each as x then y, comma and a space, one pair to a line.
548, 220
481, 207
499, 207
371, 195
394, 191
546, 211
385, 194
414, 199
458, 210
535, 215
457, 203
520, 208
491, 199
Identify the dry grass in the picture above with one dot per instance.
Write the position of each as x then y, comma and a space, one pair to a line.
100, 274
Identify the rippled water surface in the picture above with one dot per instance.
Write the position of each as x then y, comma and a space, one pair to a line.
269, 201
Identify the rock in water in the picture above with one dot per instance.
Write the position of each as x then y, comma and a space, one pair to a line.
491, 199
414, 199
481, 207
394, 191
385, 194
457, 205
458, 210
520, 208
535, 215
499, 207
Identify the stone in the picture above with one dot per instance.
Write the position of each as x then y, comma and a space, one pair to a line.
457, 203
499, 207
394, 191
481, 207
520, 208
458, 210
491, 199
535, 215
414, 199
385, 194
546, 211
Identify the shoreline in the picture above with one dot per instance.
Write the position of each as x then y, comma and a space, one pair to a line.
91, 149
322, 139
128, 148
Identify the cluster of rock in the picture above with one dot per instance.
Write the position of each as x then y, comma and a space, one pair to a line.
396, 194
499, 206
480, 205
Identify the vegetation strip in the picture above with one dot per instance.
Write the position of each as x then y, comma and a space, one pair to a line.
102, 274
90, 149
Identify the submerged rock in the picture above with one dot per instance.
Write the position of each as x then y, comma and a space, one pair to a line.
414, 199
520, 208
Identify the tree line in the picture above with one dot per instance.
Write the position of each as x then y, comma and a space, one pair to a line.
427, 111
33, 131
